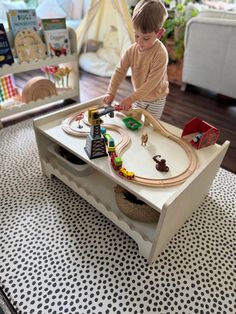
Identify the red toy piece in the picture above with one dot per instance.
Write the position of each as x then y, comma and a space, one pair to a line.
200, 133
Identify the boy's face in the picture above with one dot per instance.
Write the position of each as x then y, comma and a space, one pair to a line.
144, 41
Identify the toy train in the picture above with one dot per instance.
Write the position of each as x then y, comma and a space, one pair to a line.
110, 143
116, 161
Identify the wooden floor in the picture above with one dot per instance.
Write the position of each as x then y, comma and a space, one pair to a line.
180, 107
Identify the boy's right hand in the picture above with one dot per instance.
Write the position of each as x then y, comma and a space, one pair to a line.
124, 105
108, 99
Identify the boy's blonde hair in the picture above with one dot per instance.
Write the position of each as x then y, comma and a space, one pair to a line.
149, 16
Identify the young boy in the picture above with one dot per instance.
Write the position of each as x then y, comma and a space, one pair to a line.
148, 60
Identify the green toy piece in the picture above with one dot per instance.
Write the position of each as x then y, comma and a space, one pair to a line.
131, 123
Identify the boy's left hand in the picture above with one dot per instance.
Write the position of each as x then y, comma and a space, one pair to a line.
125, 105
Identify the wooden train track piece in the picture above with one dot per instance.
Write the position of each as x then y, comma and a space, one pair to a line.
66, 126
38, 88
158, 127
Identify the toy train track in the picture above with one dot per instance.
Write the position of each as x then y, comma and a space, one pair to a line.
66, 125
157, 126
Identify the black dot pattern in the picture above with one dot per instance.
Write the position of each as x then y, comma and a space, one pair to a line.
60, 255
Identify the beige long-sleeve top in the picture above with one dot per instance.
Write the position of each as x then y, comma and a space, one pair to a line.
149, 72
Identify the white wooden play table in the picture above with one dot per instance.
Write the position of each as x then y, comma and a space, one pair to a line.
97, 180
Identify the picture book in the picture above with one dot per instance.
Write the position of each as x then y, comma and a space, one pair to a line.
6, 56
22, 19
56, 37
52, 24
7, 87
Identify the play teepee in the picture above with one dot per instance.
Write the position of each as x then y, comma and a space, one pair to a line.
104, 35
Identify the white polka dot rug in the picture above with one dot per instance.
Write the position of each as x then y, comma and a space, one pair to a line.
59, 255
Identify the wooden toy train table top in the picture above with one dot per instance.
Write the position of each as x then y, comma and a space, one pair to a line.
137, 158
175, 203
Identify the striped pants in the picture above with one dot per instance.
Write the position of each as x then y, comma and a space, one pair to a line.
155, 107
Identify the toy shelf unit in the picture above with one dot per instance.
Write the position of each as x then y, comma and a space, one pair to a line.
96, 180
69, 91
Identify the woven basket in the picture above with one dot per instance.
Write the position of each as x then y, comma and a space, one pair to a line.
139, 212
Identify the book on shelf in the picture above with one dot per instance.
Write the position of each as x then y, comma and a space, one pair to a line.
19, 20
6, 56
56, 36
8, 88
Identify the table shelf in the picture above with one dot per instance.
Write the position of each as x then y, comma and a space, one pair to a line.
102, 197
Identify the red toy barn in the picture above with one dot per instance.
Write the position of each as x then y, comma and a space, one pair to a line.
200, 133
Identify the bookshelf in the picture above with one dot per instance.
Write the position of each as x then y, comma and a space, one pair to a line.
70, 60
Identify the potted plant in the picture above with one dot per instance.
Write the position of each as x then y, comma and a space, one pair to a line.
173, 37
174, 26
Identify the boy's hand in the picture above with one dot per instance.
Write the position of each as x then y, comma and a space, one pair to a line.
108, 99
125, 105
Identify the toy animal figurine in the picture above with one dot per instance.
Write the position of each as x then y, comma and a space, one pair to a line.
78, 118
144, 139
161, 164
